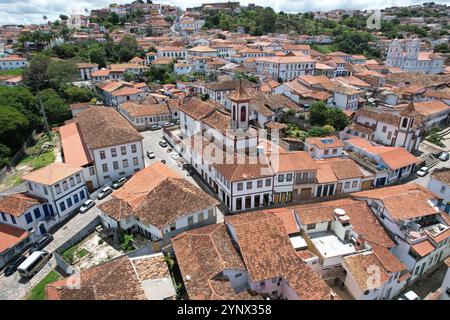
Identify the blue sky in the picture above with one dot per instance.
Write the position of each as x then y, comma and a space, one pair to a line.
31, 11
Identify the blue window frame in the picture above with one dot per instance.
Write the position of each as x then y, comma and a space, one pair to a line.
82, 194
62, 206
46, 212
37, 213
3, 216
69, 202
51, 209
28, 217
13, 220
75, 198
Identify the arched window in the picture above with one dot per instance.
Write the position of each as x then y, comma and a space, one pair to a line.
405, 122
243, 114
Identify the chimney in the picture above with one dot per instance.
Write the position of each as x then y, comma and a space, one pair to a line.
360, 242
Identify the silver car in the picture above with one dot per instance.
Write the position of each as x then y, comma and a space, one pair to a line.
87, 205
105, 192
422, 172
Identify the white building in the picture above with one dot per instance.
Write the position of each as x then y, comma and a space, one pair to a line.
409, 58
403, 126
53, 193
158, 204
285, 67
411, 215
12, 62
439, 183
104, 143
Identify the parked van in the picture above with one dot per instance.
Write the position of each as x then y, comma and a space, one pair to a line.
33, 263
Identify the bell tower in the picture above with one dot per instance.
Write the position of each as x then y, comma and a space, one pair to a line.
240, 108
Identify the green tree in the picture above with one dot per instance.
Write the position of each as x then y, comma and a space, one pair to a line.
318, 113
337, 119
74, 94
5, 154
13, 127
56, 109
35, 75
60, 73
327, 129
97, 55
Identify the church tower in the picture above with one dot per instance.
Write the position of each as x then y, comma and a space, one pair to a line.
240, 108
394, 54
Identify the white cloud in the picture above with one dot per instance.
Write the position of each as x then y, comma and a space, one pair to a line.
31, 11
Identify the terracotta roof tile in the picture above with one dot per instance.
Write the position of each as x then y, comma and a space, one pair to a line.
203, 254
423, 248
360, 265
403, 201
52, 173
103, 127
10, 236
157, 196
18, 204
118, 279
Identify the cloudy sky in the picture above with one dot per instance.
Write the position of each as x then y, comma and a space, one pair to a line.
31, 11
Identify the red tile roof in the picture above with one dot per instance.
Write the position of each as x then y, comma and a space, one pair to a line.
10, 236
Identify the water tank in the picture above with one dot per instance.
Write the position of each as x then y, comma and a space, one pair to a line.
339, 212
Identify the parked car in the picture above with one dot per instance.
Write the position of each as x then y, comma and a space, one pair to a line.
410, 295
163, 161
105, 191
119, 183
12, 266
41, 243
167, 124
155, 127
422, 172
169, 150
175, 156
178, 121
444, 156
87, 205
162, 143
151, 155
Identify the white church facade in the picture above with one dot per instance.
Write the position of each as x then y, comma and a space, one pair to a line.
408, 57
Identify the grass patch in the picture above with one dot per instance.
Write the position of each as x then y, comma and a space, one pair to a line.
43, 159
12, 181
83, 252
69, 254
12, 72
324, 48
38, 292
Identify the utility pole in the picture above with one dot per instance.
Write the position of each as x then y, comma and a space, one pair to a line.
41, 107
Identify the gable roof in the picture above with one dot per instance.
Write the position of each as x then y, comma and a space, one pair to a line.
157, 196
257, 230
203, 254
103, 127
405, 201
123, 278
52, 173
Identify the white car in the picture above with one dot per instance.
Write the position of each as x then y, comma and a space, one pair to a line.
175, 156
105, 191
422, 172
410, 295
86, 206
